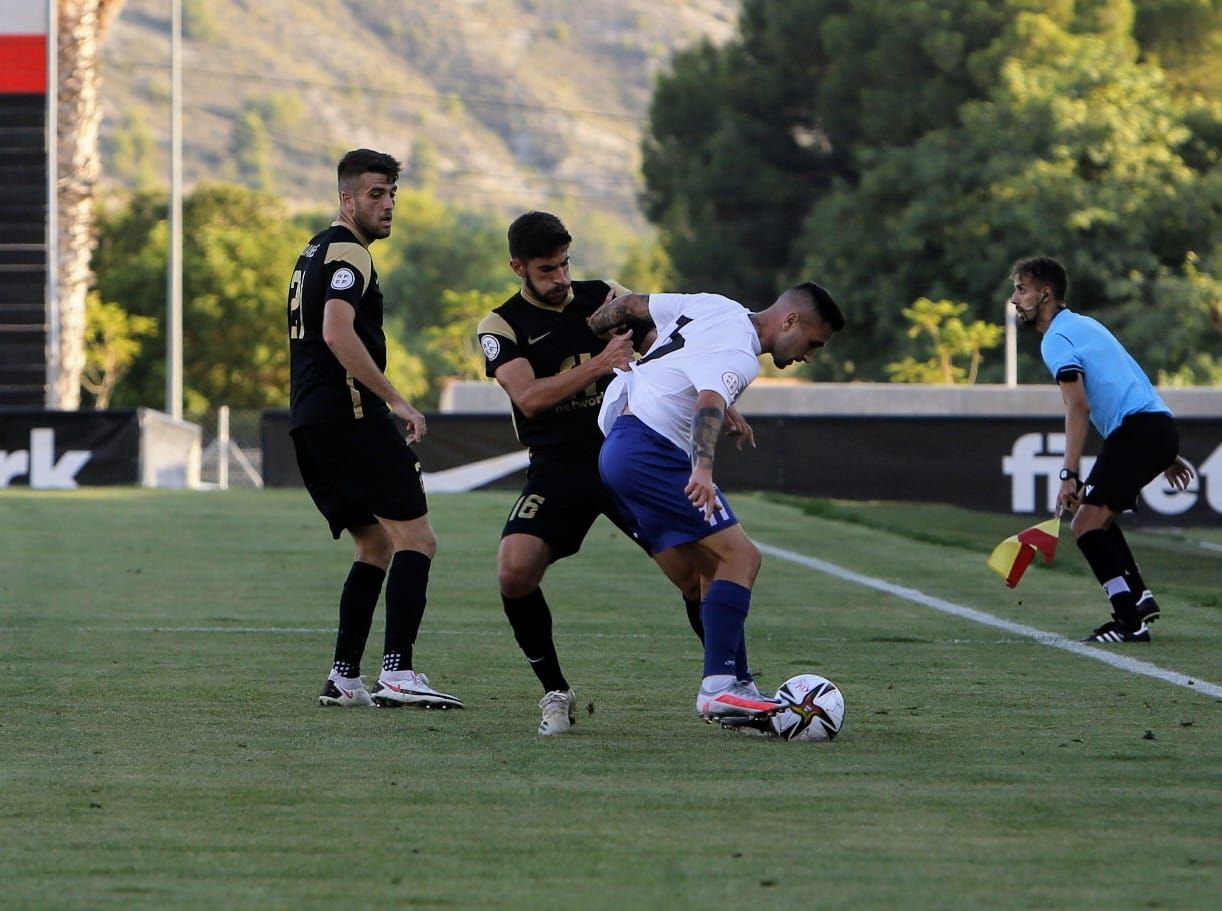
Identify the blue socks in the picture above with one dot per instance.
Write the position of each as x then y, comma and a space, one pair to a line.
724, 613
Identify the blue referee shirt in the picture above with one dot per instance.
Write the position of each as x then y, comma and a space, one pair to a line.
1116, 386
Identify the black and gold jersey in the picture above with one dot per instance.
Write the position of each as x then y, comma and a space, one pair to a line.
334, 264
553, 339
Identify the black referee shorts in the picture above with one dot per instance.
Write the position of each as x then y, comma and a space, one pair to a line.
1137, 452
560, 502
360, 471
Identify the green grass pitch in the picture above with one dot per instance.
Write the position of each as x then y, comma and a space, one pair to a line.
161, 745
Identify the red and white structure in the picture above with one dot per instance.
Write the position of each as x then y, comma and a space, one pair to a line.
27, 200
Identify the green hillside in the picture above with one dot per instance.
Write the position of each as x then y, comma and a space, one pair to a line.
497, 104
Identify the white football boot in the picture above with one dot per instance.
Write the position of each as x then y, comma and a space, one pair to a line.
396, 688
734, 698
557, 708
348, 692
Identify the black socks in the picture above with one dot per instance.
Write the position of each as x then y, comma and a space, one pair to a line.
531, 620
357, 602
1108, 565
407, 585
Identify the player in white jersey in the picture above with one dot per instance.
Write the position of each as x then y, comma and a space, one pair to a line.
663, 416
720, 350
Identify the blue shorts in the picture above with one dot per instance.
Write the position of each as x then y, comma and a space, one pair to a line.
646, 474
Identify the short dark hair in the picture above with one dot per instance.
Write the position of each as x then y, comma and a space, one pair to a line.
822, 303
534, 235
1046, 270
362, 161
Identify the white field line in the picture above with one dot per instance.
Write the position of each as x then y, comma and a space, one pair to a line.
467, 633
1123, 662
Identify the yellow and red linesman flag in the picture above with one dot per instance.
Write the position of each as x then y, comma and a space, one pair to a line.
1012, 556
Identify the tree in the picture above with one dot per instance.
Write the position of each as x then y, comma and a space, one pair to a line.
742, 140
81, 26
450, 348
135, 152
1184, 37
647, 267
198, 21
237, 258
1079, 152
921, 146
239, 249
112, 343
251, 149
407, 372
941, 324
727, 173
433, 248
1187, 350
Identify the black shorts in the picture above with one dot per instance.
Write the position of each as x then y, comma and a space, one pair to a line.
560, 502
358, 472
1138, 451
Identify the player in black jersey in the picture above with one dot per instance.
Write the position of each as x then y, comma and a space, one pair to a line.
539, 349
361, 473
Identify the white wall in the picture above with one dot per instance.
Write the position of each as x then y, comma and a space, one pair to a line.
787, 397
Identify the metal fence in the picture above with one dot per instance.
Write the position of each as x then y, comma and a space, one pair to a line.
232, 452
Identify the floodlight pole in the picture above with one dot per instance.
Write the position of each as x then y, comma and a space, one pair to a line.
173, 370
1011, 346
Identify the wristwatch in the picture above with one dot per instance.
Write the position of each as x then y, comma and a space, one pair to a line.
1066, 474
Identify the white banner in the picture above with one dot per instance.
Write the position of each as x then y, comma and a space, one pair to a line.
23, 17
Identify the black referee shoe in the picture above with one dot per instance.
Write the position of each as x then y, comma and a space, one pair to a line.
1147, 608
1114, 631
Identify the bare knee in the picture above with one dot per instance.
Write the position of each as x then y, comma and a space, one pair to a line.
728, 556
741, 565
520, 564
690, 587
415, 534
517, 580
424, 543
751, 561
1089, 518
681, 572
373, 546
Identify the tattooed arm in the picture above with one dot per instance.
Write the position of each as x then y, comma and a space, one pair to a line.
616, 312
707, 420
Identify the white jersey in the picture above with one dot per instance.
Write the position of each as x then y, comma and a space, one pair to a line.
705, 341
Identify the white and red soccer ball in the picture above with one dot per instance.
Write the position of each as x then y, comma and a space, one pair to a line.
814, 709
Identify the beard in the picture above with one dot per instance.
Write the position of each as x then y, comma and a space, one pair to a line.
376, 229
372, 226
555, 297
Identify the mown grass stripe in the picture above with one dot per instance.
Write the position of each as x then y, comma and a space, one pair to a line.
1123, 662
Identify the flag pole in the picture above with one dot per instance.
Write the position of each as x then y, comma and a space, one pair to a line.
173, 371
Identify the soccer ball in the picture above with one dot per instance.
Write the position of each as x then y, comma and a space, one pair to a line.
814, 709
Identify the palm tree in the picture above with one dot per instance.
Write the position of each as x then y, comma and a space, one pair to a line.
82, 25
